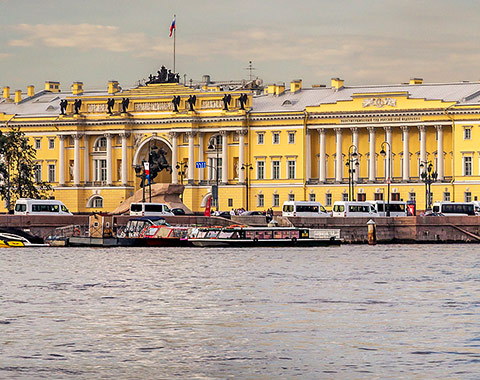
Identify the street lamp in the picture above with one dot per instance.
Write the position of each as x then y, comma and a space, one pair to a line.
246, 167
428, 176
214, 145
389, 172
183, 166
351, 163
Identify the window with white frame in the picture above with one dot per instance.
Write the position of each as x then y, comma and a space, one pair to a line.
311, 197
275, 137
100, 170
51, 172
328, 199
291, 197
291, 169
260, 138
276, 169
291, 137
276, 200
96, 202
412, 197
446, 196
38, 172
260, 200
345, 197
260, 169
51, 143
38, 143
467, 133
467, 166
468, 196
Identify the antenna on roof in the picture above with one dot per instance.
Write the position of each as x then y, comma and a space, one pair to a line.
250, 68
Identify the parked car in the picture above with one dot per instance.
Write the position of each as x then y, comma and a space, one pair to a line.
252, 213
222, 214
178, 211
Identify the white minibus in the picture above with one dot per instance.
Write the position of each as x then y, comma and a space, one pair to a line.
397, 208
26, 206
150, 209
354, 209
454, 208
304, 209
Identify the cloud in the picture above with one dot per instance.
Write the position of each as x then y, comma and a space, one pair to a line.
4, 56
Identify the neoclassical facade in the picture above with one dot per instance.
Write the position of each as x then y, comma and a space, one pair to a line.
286, 144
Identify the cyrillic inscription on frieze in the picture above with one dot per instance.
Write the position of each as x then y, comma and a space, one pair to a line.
154, 106
379, 102
97, 108
212, 104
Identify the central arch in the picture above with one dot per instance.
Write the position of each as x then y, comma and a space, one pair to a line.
141, 154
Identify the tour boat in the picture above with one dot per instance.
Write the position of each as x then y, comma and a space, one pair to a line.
14, 238
244, 236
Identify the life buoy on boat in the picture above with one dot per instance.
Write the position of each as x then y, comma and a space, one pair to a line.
76, 231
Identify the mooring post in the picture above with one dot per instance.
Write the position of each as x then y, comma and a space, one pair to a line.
372, 232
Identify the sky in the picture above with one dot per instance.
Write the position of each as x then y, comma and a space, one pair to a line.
363, 42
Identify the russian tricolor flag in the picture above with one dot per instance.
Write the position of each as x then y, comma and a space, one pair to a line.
172, 27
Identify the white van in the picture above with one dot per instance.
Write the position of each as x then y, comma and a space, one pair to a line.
454, 208
397, 208
355, 209
304, 209
26, 206
150, 209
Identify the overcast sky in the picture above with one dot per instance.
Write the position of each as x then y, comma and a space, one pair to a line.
360, 41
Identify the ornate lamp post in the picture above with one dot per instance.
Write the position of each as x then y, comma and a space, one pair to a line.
214, 145
247, 168
351, 163
389, 172
428, 176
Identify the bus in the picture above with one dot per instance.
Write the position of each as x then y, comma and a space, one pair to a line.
354, 209
454, 208
26, 206
397, 208
304, 209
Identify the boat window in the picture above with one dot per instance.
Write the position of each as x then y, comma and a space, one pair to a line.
225, 235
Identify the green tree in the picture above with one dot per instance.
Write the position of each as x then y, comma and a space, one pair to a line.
17, 169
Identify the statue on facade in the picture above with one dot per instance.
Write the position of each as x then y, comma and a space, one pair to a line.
176, 102
226, 101
164, 76
125, 103
192, 99
110, 104
63, 106
243, 100
76, 105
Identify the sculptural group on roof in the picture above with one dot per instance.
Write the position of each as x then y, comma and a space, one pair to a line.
164, 76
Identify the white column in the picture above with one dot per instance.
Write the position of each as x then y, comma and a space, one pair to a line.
339, 156
109, 158
423, 144
356, 168
406, 154
322, 175
201, 156
173, 138
124, 159
308, 156
440, 160
191, 157
76, 160
224, 157
61, 160
241, 156
86, 164
389, 156
372, 175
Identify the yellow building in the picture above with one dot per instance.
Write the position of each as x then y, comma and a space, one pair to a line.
288, 143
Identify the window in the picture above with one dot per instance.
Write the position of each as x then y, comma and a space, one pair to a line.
378, 196
260, 200
101, 145
260, 169
291, 137
291, 197
230, 202
345, 197
291, 165
468, 196
311, 197
276, 138
51, 173
412, 197
38, 172
51, 143
97, 202
260, 138
467, 133
100, 170
275, 169
395, 196
467, 165
328, 199
38, 143
361, 197
446, 196
276, 200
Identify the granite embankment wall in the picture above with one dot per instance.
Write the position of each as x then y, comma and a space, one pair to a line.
416, 229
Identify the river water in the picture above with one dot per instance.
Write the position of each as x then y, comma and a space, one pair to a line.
349, 312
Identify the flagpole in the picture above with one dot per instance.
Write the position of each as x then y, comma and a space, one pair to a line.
174, 40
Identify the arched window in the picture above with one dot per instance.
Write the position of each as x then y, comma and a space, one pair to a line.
100, 144
95, 202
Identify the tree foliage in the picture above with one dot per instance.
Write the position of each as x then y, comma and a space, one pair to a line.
17, 168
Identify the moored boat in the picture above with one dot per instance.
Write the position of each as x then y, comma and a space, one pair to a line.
14, 238
244, 236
